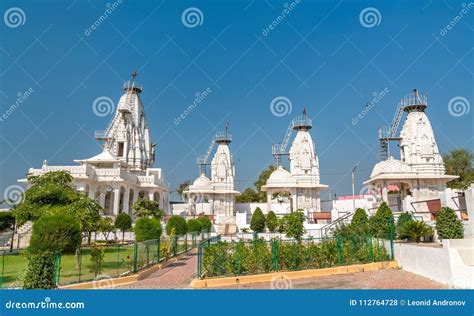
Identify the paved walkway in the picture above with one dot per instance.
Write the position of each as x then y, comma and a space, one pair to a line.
381, 279
177, 275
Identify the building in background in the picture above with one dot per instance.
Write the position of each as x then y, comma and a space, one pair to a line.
124, 171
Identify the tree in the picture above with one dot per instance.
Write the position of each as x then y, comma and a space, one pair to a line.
183, 186
360, 218
460, 162
257, 223
251, 195
124, 223
381, 221
147, 229
272, 221
7, 221
294, 224
40, 271
56, 233
178, 223
206, 223
52, 193
448, 225
416, 230
106, 226
248, 196
147, 208
194, 226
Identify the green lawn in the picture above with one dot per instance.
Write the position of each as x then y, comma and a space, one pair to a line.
117, 260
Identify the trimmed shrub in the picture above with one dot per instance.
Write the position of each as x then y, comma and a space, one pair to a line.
380, 222
416, 231
147, 229
360, 218
123, 222
56, 233
448, 225
178, 223
7, 220
194, 226
40, 271
206, 223
404, 218
294, 224
272, 221
257, 223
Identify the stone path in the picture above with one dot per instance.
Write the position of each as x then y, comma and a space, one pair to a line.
177, 275
381, 279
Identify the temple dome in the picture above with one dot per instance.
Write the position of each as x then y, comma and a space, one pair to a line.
202, 182
391, 165
280, 175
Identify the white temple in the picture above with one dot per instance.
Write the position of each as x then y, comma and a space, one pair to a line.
302, 182
419, 175
219, 191
123, 172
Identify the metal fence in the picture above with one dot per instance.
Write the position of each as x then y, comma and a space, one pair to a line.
117, 260
217, 258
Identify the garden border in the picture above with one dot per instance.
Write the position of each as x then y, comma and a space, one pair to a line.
290, 275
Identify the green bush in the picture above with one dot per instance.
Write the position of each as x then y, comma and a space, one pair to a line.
56, 233
178, 223
7, 220
380, 222
448, 225
294, 224
194, 226
97, 258
404, 218
360, 218
147, 229
147, 208
416, 231
272, 221
40, 271
257, 223
206, 223
123, 222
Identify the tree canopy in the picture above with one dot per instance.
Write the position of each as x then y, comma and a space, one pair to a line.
256, 195
147, 208
460, 162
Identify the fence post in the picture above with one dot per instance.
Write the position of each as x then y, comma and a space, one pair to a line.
371, 247
199, 267
118, 259
80, 263
175, 245
158, 250
57, 266
391, 239
135, 257
3, 269
339, 250
275, 254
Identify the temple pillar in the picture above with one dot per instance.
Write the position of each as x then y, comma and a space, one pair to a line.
151, 196
102, 199
115, 206
126, 200
269, 201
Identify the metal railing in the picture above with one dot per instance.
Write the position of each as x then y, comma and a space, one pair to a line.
117, 260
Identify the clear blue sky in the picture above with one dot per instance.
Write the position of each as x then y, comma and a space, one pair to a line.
319, 56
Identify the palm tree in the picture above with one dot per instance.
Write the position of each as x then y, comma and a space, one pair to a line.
415, 230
